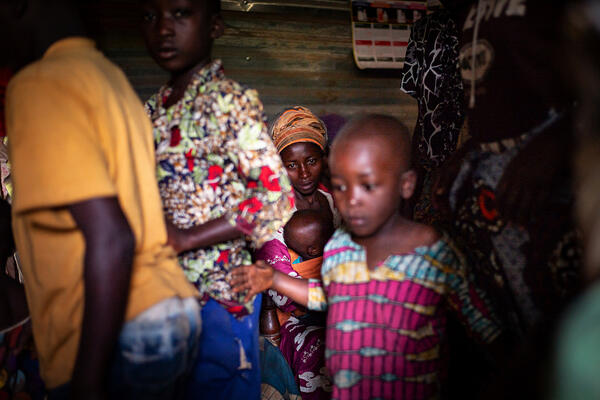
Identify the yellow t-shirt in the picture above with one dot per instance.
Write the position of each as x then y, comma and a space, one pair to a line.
78, 131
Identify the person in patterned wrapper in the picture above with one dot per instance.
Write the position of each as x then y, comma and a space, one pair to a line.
507, 191
432, 76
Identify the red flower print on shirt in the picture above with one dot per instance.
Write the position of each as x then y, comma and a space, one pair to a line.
223, 257
190, 159
269, 179
252, 205
214, 173
175, 136
292, 200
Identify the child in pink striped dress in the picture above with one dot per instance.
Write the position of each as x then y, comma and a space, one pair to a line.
387, 282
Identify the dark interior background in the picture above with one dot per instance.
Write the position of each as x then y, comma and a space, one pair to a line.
292, 52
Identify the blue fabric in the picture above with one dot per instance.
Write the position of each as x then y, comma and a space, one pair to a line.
155, 354
276, 372
220, 371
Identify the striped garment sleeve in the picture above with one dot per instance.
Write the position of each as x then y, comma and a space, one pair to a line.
316, 295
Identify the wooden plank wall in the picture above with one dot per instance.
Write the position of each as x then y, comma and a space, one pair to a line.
290, 55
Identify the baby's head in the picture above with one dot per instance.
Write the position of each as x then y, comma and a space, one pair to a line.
371, 172
307, 233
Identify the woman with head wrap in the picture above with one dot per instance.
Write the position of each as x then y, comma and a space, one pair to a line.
301, 139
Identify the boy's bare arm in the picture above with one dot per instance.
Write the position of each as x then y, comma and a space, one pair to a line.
109, 250
213, 232
259, 277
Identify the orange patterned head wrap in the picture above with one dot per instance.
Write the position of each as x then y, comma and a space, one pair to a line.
295, 125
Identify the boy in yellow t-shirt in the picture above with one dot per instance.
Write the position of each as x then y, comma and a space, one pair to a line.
113, 315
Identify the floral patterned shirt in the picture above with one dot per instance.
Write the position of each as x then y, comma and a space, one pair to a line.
214, 159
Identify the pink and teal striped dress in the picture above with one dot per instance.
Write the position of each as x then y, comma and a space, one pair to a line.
386, 327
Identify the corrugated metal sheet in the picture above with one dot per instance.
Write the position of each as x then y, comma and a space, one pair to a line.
290, 55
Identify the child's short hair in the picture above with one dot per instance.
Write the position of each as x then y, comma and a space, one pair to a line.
308, 227
386, 126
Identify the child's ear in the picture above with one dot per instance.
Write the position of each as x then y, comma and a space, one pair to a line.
408, 182
312, 251
217, 26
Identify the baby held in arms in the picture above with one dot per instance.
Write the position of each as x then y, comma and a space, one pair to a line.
306, 233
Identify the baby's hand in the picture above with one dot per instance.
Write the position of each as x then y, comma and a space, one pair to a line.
253, 279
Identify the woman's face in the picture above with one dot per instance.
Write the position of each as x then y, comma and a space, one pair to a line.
304, 164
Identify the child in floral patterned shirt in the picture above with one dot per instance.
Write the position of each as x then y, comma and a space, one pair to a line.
221, 181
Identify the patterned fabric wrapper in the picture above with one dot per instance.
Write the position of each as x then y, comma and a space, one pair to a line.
5, 181
19, 366
5, 75
531, 271
298, 124
431, 75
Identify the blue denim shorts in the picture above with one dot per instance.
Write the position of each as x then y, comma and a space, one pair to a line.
155, 353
